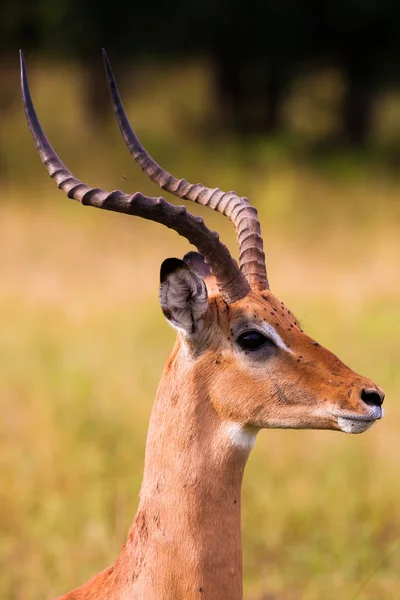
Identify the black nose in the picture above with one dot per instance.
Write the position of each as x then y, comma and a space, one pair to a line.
372, 397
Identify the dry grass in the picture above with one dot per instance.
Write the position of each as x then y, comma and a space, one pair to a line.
82, 347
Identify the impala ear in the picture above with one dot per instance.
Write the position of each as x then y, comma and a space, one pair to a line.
196, 261
183, 295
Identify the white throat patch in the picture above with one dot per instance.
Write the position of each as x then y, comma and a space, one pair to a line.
240, 435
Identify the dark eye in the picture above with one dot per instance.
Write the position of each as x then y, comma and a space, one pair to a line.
252, 340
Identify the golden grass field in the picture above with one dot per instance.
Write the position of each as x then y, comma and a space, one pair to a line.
83, 342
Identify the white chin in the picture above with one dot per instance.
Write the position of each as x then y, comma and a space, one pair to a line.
354, 425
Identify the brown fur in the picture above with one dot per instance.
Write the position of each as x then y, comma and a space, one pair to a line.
214, 396
185, 542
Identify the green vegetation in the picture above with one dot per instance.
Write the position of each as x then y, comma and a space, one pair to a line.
83, 343
257, 52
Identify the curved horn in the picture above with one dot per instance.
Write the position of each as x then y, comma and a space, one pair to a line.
231, 282
238, 210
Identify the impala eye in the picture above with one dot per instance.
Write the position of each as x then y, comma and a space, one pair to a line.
252, 340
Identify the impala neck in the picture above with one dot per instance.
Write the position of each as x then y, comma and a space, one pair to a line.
186, 538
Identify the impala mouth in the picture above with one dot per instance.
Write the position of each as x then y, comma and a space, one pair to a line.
353, 423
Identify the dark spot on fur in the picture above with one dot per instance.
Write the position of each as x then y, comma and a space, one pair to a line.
217, 362
139, 533
281, 395
315, 344
156, 520
174, 399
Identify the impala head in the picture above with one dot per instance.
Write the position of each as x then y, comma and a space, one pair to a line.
259, 367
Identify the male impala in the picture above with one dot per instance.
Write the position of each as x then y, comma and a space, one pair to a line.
240, 363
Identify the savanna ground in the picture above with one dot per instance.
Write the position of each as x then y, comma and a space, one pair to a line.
83, 342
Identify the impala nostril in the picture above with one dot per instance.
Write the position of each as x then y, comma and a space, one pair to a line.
372, 397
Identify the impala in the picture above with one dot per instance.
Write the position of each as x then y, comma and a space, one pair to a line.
240, 364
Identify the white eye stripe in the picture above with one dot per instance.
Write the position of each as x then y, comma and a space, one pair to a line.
273, 335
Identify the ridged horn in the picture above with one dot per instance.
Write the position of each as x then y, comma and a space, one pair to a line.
238, 210
231, 282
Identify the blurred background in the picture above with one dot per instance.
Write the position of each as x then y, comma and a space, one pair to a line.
295, 104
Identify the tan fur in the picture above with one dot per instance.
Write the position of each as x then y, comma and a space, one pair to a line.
185, 542
214, 395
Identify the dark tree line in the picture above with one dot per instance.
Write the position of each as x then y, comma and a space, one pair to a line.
256, 47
